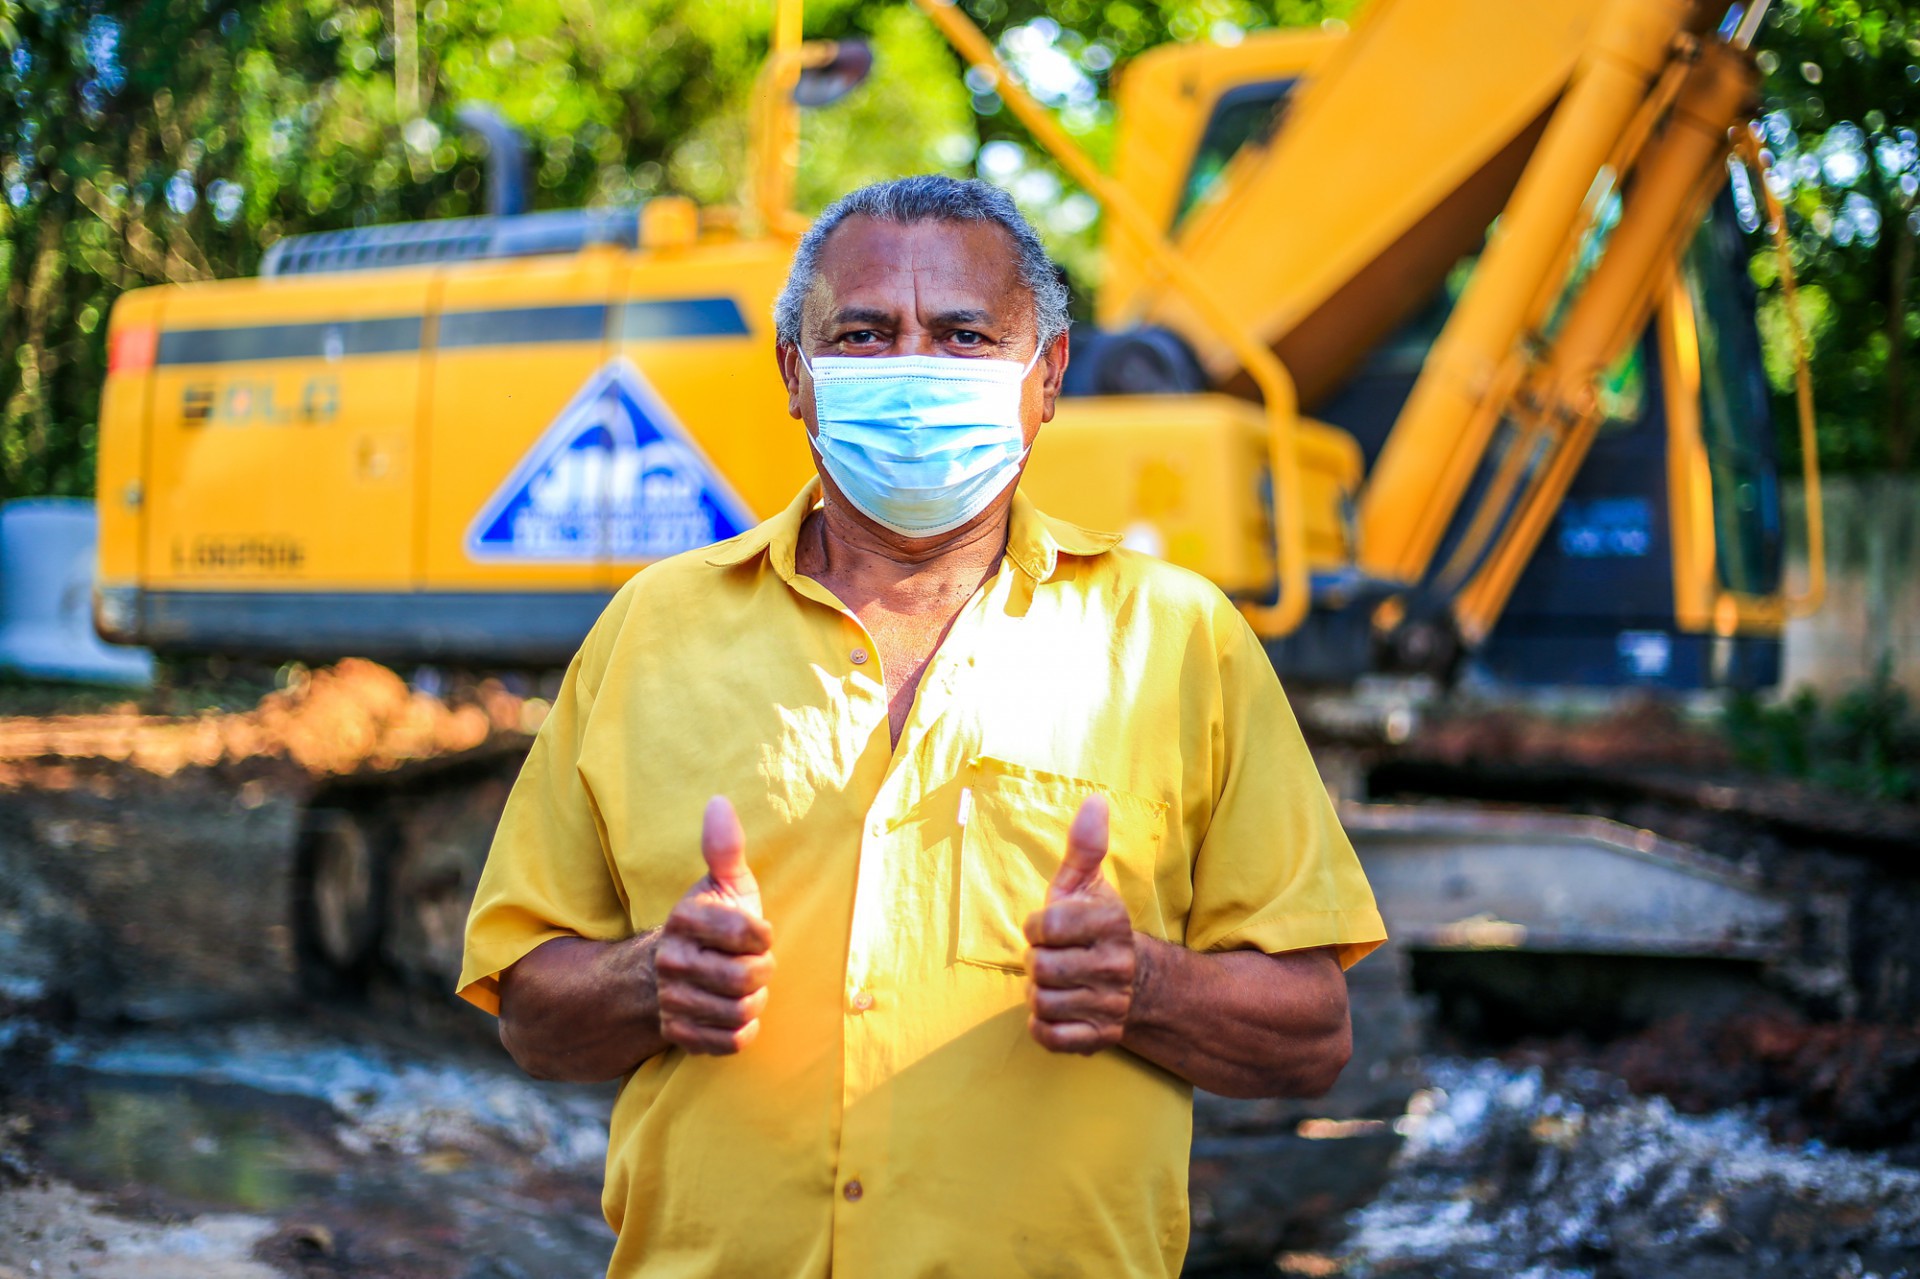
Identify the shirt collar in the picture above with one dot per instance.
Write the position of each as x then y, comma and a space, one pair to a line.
778, 537
1035, 540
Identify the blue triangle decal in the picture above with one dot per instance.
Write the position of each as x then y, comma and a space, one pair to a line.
614, 477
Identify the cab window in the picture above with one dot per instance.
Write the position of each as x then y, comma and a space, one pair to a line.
1736, 412
1245, 113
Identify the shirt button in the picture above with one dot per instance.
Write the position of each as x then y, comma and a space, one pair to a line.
853, 1190
862, 1001
858, 656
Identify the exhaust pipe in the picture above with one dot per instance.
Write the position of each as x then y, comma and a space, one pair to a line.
506, 158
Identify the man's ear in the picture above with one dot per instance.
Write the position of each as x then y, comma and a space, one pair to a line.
787, 355
1054, 364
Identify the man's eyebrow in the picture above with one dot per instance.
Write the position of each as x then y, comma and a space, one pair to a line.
961, 319
860, 315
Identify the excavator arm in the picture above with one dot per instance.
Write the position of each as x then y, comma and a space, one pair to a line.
1565, 148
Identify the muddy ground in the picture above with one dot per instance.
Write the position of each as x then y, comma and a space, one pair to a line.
318, 1147
335, 1148
173, 1104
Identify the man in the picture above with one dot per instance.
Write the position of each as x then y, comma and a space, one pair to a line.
1014, 839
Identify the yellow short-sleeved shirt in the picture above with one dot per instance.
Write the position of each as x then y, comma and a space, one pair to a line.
894, 1051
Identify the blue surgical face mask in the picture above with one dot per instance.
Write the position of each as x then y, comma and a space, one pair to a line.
919, 444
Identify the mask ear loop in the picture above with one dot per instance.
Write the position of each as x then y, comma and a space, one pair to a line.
1039, 349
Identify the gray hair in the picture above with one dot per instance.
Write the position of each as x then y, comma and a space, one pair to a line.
927, 197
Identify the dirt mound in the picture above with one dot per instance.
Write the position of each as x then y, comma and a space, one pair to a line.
147, 862
341, 719
1640, 733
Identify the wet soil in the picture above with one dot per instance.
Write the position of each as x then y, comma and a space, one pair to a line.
261, 1148
1504, 1175
52, 1228
1851, 1084
297, 1151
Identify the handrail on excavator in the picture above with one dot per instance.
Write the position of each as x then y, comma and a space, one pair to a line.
1808, 602
773, 171
774, 123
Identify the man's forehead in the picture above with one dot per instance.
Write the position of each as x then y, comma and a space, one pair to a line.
952, 265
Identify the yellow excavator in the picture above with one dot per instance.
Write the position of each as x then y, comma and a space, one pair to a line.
1430, 341
1491, 249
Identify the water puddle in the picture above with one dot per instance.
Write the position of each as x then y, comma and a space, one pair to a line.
385, 1098
210, 1147
372, 1162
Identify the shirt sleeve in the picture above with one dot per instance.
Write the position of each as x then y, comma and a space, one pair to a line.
1274, 871
549, 873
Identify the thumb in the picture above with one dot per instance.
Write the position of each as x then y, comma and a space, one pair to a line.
1086, 849
724, 847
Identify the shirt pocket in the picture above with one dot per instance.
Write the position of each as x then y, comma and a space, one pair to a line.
1013, 837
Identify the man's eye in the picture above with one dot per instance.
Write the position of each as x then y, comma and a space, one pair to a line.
859, 337
967, 337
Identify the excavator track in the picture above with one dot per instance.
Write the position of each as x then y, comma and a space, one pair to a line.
386, 865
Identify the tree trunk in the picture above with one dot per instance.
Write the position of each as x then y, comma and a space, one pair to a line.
1899, 419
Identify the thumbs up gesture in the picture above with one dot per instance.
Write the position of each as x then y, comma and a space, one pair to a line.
716, 949
1081, 960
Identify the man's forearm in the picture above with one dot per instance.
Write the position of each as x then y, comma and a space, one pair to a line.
1241, 1023
582, 1011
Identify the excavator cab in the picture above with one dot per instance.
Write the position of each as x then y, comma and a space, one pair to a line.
1678, 501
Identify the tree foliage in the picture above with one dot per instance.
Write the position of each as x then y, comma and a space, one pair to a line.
1842, 98
175, 140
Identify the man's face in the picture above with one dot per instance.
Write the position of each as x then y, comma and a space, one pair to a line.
931, 288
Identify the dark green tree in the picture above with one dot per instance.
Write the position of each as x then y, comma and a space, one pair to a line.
1842, 101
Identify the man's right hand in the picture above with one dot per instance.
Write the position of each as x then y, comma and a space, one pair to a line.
715, 953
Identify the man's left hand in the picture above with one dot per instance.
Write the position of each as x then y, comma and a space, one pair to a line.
1081, 961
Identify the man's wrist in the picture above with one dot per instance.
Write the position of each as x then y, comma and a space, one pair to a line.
1146, 973
641, 976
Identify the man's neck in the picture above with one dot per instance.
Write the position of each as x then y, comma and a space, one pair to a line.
865, 564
